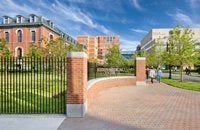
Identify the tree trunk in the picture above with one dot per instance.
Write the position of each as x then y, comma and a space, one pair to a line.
181, 73
170, 72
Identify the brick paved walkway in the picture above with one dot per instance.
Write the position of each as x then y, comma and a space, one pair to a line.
156, 106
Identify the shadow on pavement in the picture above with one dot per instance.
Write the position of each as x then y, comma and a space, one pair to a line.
93, 123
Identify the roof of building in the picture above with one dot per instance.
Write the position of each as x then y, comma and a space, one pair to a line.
39, 22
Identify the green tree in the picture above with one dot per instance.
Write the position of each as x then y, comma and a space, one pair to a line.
168, 55
153, 57
4, 51
75, 47
185, 49
113, 57
35, 51
59, 47
180, 48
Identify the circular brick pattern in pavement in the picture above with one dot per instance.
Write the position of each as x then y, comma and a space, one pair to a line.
155, 106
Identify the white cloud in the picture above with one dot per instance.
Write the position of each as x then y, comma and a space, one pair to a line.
139, 31
9, 7
66, 16
185, 19
76, 15
137, 5
194, 3
77, 1
128, 45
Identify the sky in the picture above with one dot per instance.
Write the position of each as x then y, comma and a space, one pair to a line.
130, 19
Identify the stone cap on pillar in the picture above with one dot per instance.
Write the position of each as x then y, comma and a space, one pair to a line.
76, 55
140, 58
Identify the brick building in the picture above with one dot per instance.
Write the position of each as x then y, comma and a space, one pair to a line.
21, 32
97, 45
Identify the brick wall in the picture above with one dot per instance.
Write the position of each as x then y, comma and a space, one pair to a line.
80, 94
76, 85
41, 31
140, 68
97, 85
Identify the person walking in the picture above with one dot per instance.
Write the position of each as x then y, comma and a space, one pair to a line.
159, 73
147, 72
152, 74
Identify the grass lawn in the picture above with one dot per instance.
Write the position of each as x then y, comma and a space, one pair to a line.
185, 84
32, 93
178, 72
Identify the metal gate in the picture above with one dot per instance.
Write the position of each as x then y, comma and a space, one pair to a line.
32, 85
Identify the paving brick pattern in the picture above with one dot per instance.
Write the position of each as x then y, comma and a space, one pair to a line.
155, 106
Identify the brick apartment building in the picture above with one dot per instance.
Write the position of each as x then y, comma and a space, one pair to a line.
21, 32
97, 46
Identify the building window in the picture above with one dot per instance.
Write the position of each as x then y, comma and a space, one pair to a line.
6, 20
19, 36
110, 38
33, 36
19, 19
51, 37
107, 38
51, 24
7, 36
32, 19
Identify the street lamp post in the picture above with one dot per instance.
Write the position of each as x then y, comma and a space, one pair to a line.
170, 70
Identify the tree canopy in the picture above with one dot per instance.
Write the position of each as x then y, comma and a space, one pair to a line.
59, 48
4, 51
35, 51
180, 48
113, 57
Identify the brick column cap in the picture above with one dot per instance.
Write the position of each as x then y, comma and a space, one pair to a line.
76, 55
140, 58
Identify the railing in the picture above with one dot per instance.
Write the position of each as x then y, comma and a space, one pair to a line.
32, 85
97, 71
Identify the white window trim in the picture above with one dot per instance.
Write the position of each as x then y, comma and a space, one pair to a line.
34, 19
33, 29
4, 20
16, 51
6, 31
18, 30
19, 18
50, 35
31, 35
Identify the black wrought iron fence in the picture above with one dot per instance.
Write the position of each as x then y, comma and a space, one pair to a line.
32, 85
96, 71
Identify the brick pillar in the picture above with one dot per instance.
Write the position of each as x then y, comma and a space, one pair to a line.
76, 84
140, 67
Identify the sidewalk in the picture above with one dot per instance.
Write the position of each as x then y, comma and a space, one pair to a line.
155, 106
185, 77
30, 122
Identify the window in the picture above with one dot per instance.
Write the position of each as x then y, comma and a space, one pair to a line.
19, 19
7, 36
32, 19
19, 36
33, 36
51, 24
110, 38
107, 38
6, 20
51, 37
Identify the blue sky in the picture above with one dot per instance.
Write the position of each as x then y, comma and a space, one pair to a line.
131, 19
